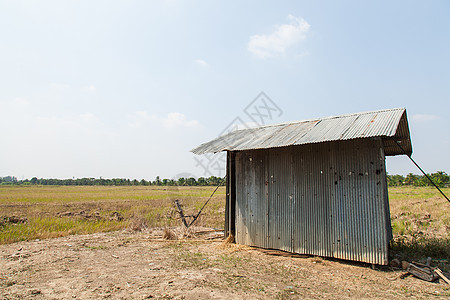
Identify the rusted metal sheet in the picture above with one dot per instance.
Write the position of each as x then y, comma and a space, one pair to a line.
328, 199
387, 124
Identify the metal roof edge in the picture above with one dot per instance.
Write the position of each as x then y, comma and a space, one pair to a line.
197, 150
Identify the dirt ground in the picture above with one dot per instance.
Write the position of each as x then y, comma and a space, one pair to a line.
143, 265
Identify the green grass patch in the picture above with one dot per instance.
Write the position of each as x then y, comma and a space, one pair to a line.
47, 194
43, 228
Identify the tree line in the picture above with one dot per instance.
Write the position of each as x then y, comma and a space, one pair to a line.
201, 181
440, 178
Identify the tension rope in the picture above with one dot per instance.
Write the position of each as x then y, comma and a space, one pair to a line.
409, 155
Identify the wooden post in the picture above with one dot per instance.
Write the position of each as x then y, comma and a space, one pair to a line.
232, 178
180, 211
227, 202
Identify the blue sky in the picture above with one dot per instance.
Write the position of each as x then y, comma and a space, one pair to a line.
127, 88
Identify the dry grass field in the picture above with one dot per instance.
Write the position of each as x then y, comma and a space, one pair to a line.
39, 212
107, 242
420, 219
420, 216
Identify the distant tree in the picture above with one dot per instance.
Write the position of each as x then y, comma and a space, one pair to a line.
10, 179
412, 179
201, 181
191, 181
395, 180
181, 181
440, 178
213, 180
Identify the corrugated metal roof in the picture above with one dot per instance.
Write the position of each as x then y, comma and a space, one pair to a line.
383, 123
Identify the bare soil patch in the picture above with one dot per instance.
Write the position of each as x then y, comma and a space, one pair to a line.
191, 265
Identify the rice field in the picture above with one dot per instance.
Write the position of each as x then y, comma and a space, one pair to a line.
40, 212
420, 216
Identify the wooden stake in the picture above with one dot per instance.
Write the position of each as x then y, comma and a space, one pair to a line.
180, 211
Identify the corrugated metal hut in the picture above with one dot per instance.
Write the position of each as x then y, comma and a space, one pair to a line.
314, 187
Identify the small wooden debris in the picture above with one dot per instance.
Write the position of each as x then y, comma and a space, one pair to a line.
35, 292
395, 263
405, 265
423, 272
439, 272
404, 275
115, 256
401, 276
217, 236
169, 234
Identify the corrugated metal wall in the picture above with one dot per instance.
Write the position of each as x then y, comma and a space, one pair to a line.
327, 199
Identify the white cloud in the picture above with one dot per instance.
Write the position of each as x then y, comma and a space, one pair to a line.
87, 116
86, 123
19, 103
172, 120
302, 54
139, 119
424, 118
10, 107
283, 37
143, 114
60, 86
89, 89
175, 119
202, 63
